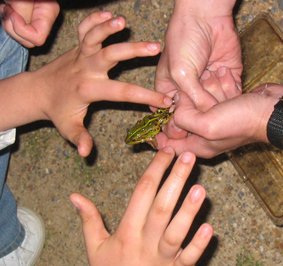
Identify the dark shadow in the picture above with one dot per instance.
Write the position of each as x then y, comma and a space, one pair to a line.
78, 4
46, 47
214, 161
126, 65
236, 7
208, 253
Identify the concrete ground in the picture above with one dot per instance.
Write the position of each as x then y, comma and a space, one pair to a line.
45, 169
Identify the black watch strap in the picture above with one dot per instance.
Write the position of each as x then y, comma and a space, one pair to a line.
275, 126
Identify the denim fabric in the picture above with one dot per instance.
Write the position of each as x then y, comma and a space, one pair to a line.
13, 60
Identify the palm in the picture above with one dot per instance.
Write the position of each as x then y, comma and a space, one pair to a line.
192, 46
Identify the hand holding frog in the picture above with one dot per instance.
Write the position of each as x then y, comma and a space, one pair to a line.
200, 38
62, 90
147, 235
225, 126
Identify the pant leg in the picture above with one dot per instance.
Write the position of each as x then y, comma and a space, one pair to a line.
13, 60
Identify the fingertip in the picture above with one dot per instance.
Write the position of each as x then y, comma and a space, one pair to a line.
153, 47
206, 231
75, 200
187, 157
118, 22
84, 144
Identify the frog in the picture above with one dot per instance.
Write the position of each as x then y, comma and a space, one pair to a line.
148, 127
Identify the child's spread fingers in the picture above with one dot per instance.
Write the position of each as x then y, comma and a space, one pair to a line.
178, 228
111, 55
117, 91
91, 21
93, 39
192, 253
166, 199
145, 191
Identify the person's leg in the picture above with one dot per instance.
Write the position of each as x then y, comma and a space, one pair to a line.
13, 59
21, 230
11, 231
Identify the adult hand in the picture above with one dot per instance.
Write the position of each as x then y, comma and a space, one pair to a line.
29, 22
146, 234
225, 126
200, 38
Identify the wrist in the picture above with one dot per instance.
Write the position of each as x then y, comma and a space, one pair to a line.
205, 8
19, 101
274, 129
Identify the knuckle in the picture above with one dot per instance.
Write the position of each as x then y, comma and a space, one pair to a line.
178, 71
171, 241
146, 183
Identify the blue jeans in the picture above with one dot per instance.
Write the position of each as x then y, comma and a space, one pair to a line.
13, 60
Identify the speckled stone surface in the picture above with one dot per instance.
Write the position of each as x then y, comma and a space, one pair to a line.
45, 169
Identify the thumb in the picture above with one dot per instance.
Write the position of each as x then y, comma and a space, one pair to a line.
93, 228
79, 136
84, 143
202, 99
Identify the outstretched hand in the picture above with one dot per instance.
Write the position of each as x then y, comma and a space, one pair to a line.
147, 235
80, 77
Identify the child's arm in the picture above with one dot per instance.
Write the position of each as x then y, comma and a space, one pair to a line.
62, 90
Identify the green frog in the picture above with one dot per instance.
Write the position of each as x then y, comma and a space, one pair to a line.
147, 128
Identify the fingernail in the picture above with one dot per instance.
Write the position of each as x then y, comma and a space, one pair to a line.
176, 97
168, 150
177, 129
221, 72
116, 22
76, 205
106, 14
186, 157
239, 86
204, 231
206, 75
195, 194
167, 101
153, 46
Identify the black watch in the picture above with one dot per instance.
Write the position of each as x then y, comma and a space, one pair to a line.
275, 125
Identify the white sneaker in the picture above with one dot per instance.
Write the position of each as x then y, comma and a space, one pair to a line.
28, 253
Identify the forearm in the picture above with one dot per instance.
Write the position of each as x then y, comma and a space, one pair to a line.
205, 8
20, 100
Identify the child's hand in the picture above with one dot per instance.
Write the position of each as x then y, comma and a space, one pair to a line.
80, 77
30, 21
146, 234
